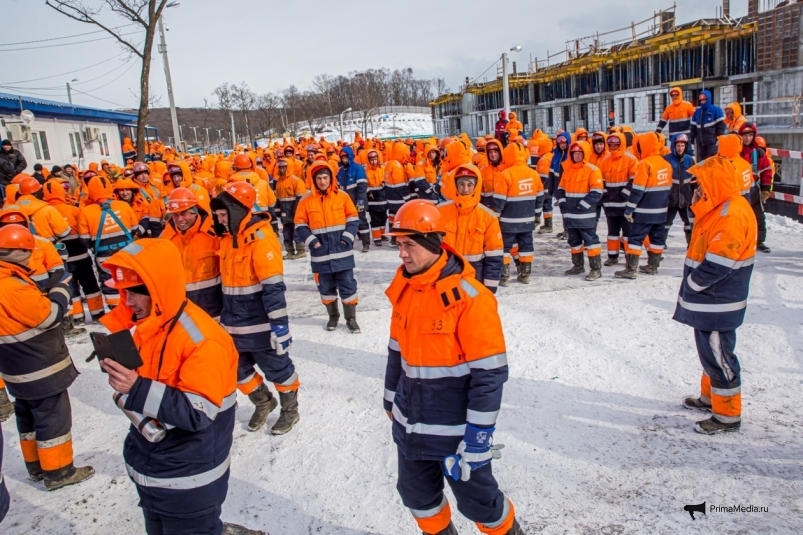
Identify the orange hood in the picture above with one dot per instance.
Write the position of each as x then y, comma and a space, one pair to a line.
618, 153
54, 191
676, 101
457, 153
718, 182
502, 163
400, 152
222, 169
99, 190
515, 154
648, 144
148, 257
730, 146
736, 108
466, 203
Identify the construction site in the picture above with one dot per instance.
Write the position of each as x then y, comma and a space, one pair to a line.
622, 77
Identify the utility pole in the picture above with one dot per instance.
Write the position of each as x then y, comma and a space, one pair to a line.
207, 136
173, 115
69, 93
195, 133
505, 84
233, 135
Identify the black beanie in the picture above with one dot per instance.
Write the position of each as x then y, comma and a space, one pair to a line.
431, 242
139, 290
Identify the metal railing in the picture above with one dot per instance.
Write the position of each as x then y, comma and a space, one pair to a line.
779, 112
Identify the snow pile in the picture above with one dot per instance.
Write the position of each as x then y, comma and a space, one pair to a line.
596, 440
382, 126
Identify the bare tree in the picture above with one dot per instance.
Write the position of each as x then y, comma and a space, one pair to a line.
268, 110
145, 13
325, 85
439, 84
246, 101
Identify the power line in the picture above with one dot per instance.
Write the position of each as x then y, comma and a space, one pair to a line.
61, 87
476, 78
65, 37
103, 99
67, 44
64, 73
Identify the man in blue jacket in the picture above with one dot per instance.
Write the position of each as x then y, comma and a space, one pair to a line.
352, 179
681, 193
707, 124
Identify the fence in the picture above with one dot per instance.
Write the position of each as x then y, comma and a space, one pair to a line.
779, 112
783, 200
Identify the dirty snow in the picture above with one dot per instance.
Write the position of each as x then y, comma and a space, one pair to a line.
596, 440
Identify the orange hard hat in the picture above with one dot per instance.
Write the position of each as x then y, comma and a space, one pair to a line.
20, 177
243, 192
12, 214
180, 200
408, 141
417, 217
241, 161
122, 278
29, 186
16, 237
761, 142
125, 183
445, 141
481, 142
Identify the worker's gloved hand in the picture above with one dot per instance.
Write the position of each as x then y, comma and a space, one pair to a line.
629, 218
764, 196
360, 207
475, 451
280, 338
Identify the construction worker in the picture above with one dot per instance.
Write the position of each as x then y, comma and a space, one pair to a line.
377, 202
397, 188
762, 179
500, 129
45, 220
127, 191
472, 229
190, 229
492, 172
105, 226
327, 220
444, 379
479, 159
289, 191
599, 150
518, 200
254, 305
559, 155
428, 171
150, 193
714, 291
647, 206
707, 124
352, 180
35, 363
734, 120
187, 382
677, 115
79, 263
243, 170
578, 194
681, 193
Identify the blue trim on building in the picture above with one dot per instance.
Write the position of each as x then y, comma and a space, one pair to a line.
10, 104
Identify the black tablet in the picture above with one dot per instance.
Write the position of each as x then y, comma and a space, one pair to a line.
119, 347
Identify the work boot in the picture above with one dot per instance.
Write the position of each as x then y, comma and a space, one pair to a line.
291, 253
612, 261
78, 320
6, 407
631, 261
688, 237
595, 263
350, 313
366, 242
264, 403
301, 250
696, 404
563, 234
289, 415
763, 248
712, 426
448, 530
96, 317
546, 228
515, 529
653, 261
503, 280
525, 268
578, 264
69, 475
69, 329
35, 472
518, 266
236, 529
334, 316
378, 242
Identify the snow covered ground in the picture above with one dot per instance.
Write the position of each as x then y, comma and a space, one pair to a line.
596, 440
382, 126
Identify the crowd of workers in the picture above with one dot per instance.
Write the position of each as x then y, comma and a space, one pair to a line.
105, 241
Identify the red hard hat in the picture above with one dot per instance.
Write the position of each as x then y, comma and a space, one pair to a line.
29, 186
16, 237
417, 217
180, 200
122, 278
20, 177
140, 167
243, 192
12, 214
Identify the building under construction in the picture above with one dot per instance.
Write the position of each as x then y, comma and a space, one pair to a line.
623, 77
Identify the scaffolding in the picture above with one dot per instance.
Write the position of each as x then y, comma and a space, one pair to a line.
778, 40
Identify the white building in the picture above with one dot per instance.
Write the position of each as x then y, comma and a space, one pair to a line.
62, 133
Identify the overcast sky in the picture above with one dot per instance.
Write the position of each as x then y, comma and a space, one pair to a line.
271, 45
